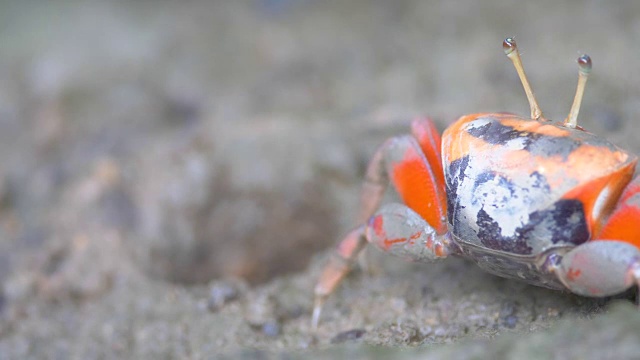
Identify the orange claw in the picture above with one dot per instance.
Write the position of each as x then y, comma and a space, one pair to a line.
622, 224
419, 178
424, 130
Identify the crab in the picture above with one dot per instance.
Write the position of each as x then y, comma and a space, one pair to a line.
544, 202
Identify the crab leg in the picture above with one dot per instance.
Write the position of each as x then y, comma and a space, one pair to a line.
338, 267
412, 164
395, 229
610, 263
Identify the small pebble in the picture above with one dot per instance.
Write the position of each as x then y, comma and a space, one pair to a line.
271, 328
348, 335
511, 321
260, 309
221, 294
508, 314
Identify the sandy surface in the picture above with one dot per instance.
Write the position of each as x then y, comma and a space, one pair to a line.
172, 176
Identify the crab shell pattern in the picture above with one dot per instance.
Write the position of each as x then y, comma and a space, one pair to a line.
519, 188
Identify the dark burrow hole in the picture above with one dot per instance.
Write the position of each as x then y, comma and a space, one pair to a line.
255, 235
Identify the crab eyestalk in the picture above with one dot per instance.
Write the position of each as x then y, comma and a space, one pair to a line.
511, 49
584, 68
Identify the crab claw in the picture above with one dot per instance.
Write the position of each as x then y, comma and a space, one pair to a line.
600, 268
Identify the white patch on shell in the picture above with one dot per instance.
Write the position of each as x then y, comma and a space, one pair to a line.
508, 210
478, 123
516, 144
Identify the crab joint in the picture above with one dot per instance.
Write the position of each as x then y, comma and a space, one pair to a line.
511, 50
584, 68
634, 277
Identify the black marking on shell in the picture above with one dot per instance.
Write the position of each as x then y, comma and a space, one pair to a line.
455, 176
498, 134
490, 234
501, 183
553, 146
564, 221
540, 181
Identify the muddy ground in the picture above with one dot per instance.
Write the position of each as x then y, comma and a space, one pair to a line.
173, 175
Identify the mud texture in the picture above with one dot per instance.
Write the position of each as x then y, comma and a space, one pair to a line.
173, 175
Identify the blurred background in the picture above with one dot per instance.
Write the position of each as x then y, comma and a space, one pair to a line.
149, 149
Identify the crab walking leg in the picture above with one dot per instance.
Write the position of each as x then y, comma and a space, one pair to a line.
600, 268
412, 164
337, 268
395, 229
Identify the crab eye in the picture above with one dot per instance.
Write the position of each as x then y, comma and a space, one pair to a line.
511, 50
584, 68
